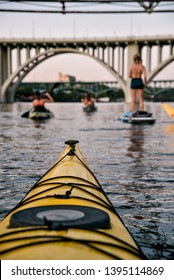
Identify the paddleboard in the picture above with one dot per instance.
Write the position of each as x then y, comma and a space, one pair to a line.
137, 118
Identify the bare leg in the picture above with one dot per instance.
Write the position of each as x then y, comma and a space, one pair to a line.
141, 102
133, 96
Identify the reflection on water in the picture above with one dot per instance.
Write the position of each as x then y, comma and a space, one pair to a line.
169, 129
134, 163
135, 149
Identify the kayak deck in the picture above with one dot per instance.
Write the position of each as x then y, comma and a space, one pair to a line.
90, 108
38, 113
66, 215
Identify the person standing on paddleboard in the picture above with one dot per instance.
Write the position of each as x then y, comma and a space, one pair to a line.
137, 70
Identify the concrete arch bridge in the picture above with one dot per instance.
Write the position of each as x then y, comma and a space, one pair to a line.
18, 57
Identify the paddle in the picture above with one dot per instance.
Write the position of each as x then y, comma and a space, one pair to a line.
26, 114
169, 110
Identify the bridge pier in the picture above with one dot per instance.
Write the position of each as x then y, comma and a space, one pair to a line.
132, 49
6, 70
8, 96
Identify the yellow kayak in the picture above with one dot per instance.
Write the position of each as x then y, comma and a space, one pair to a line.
66, 216
169, 110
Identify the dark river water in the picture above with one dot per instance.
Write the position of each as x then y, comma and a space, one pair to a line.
133, 163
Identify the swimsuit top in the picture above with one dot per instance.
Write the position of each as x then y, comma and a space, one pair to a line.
136, 70
38, 102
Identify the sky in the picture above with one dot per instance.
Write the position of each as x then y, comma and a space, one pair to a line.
35, 25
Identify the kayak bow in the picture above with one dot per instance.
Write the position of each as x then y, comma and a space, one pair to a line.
67, 216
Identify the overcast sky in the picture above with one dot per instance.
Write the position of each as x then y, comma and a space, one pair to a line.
27, 25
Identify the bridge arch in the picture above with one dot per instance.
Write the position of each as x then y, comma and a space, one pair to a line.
114, 54
10, 85
161, 66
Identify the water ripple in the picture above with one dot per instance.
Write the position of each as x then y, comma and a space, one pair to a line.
134, 164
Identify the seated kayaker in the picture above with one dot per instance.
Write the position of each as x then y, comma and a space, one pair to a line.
40, 100
88, 100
